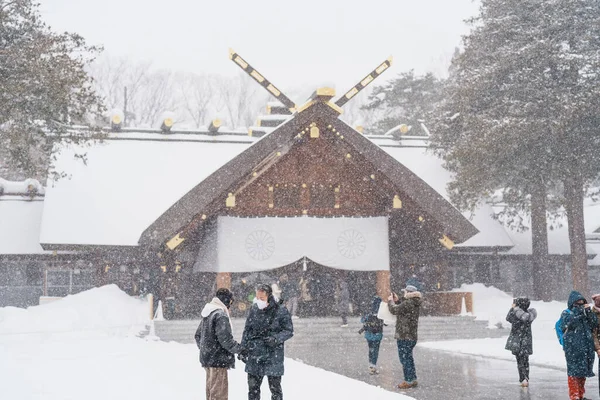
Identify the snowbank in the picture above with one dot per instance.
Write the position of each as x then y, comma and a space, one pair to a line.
96, 312
79, 348
493, 304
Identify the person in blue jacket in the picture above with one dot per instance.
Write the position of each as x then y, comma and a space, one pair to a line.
267, 327
577, 323
373, 330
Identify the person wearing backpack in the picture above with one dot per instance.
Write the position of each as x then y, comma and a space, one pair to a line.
577, 324
520, 341
373, 330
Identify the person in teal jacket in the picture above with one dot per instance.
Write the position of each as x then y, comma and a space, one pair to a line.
373, 330
577, 323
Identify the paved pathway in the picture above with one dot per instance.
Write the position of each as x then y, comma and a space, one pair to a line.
442, 376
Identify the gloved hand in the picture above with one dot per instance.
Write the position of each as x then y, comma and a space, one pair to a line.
271, 341
243, 357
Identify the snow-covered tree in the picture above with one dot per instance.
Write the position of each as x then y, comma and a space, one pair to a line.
520, 113
43, 87
407, 99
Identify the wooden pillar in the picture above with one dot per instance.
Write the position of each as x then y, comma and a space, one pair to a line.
224, 280
383, 284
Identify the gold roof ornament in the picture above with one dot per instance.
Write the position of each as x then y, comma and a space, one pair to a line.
364, 82
258, 77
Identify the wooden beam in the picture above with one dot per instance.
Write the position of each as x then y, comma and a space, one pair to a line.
264, 82
367, 80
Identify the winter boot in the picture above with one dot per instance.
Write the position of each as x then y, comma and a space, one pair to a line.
524, 383
407, 385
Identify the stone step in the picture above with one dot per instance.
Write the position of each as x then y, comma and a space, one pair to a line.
314, 332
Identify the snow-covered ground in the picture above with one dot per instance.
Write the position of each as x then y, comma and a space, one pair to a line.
492, 304
84, 347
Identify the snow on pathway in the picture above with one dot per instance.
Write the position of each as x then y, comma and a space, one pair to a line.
83, 347
492, 304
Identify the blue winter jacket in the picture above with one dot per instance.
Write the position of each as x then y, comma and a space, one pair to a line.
264, 334
577, 326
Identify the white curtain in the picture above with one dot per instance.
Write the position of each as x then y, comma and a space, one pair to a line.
258, 244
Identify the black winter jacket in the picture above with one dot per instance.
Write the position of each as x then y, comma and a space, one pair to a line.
264, 335
214, 338
520, 340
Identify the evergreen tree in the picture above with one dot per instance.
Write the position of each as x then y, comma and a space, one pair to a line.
43, 87
408, 99
520, 113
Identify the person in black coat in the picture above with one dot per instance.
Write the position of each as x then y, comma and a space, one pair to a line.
520, 340
216, 344
268, 326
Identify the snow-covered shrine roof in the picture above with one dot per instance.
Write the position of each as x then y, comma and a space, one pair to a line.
133, 177
21, 205
127, 182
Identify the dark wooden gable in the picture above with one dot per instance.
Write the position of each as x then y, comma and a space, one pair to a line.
368, 177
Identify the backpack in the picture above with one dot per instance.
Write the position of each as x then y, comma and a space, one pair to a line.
559, 332
373, 324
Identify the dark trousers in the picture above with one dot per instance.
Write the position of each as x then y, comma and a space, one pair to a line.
523, 366
405, 352
373, 351
254, 382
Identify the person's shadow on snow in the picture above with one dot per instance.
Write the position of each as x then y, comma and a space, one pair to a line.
525, 395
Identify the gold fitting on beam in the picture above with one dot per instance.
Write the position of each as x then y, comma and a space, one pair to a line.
348, 155
314, 132
231, 53
359, 128
258, 122
241, 62
216, 123
230, 201
306, 105
163, 268
382, 68
397, 203
257, 76
446, 242
116, 119
274, 90
249, 132
175, 241
351, 93
421, 219
337, 108
326, 91
367, 80
268, 109
203, 216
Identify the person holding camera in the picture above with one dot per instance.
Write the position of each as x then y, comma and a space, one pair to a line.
267, 327
216, 344
520, 340
407, 310
578, 323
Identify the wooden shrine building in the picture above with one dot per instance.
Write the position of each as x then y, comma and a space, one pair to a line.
177, 213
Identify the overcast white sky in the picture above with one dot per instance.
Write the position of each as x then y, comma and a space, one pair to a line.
308, 42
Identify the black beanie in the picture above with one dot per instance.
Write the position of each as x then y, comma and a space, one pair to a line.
263, 287
225, 296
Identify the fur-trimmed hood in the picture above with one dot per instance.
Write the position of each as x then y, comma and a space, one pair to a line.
412, 295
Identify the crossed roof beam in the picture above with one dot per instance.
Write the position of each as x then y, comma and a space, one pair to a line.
287, 102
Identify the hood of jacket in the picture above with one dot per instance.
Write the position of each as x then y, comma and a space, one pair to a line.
573, 297
215, 304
